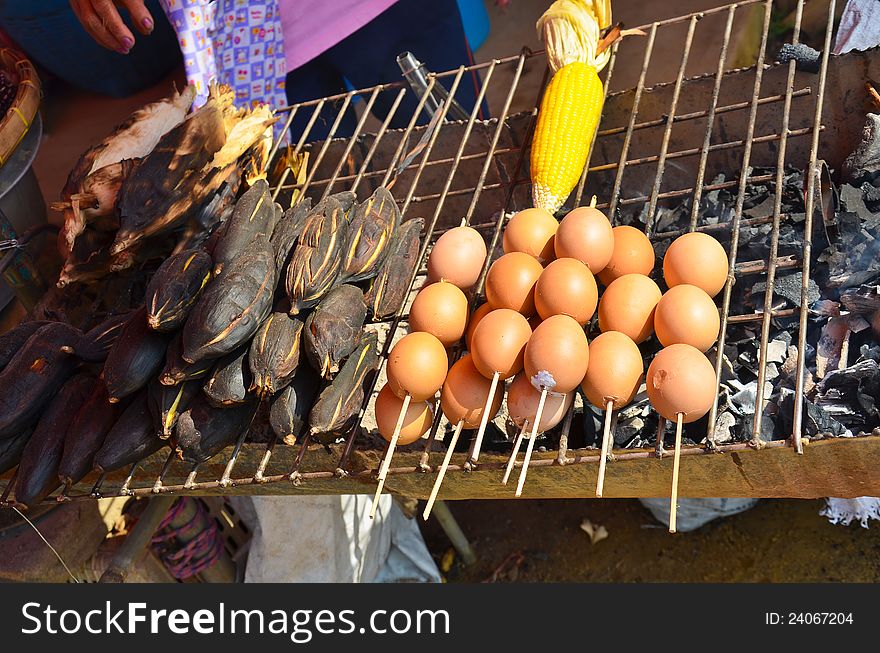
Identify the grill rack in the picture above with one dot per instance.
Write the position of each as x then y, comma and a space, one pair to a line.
514, 187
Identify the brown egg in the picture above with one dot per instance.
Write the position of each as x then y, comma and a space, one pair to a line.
687, 315
481, 312
457, 257
633, 254
567, 287
681, 379
523, 400
464, 394
557, 354
417, 365
416, 423
531, 232
499, 343
615, 370
511, 283
698, 259
628, 304
585, 234
440, 309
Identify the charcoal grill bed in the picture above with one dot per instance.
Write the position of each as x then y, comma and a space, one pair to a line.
657, 146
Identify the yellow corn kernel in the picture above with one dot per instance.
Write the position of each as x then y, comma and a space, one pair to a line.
567, 119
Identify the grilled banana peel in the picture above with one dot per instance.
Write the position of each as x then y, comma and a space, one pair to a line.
12, 448
86, 434
132, 437
136, 357
274, 354
34, 375
230, 380
177, 370
174, 288
369, 234
203, 431
14, 339
391, 285
166, 403
317, 259
334, 328
233, 305
37, 473
339, 403
254, 214
98, 341
289, 409
287, 232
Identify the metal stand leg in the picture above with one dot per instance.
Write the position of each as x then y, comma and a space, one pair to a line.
454, 533
138, 539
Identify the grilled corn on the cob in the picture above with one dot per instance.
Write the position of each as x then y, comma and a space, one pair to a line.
572, 102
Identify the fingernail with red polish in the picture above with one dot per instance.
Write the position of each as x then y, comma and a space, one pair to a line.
147, 23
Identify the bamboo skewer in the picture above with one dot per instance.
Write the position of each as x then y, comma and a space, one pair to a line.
484, 421
386, 462
606, 441
513, 454
440, 474
673, 507
530, 448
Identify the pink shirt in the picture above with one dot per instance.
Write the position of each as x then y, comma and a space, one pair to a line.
311, 27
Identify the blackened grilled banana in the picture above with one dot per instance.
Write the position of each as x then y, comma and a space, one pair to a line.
14, 339
34, 375
12, 448
287, 232
233, 305
274, 354
166, 403
389, 289
334, 328
203, 430
340, 402
369, 234
230, 380
136, 357
86, 434
177, 370
37, 473
97, 342
289, 409
254, 214
317, 259
132, 437
175, 287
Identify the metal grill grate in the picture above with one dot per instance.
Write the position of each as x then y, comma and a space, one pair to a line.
656, 144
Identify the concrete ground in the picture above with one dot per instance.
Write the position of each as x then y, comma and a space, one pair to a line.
542, 540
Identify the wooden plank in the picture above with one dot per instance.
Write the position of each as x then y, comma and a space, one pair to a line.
841, 467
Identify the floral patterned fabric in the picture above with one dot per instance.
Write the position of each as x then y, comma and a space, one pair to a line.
236, 42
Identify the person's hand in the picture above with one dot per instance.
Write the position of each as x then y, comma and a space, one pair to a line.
102, 21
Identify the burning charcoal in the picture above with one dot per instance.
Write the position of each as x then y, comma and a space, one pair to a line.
724, 426
788, 287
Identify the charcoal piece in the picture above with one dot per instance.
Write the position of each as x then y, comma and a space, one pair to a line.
333, 329
787, 286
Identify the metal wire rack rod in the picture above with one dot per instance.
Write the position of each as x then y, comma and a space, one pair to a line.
362, 173
667, 132
634, 114
323, 151
797, 424
264, 461
737, 216
774, 237
157, 486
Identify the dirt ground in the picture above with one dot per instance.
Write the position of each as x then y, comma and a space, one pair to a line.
542, 541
